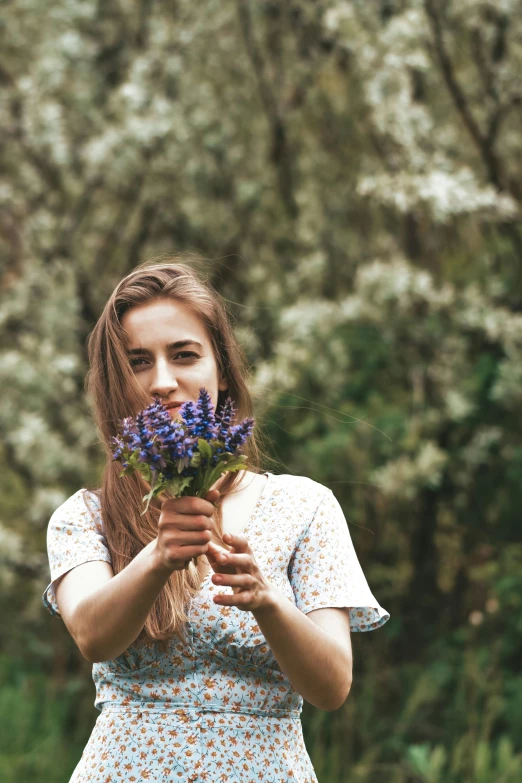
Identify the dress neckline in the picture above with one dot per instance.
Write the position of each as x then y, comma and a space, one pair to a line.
260, 503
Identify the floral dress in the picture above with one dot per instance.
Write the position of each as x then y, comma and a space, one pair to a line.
218, 708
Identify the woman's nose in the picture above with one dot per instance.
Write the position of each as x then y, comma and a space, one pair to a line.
163, 380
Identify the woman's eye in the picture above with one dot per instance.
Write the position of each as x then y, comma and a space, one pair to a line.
187, 353
134, 362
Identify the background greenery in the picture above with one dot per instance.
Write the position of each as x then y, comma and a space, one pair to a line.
351, 171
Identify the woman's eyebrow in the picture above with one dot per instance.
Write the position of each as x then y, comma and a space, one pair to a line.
170, 346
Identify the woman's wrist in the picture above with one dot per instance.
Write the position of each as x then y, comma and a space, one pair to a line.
158, 564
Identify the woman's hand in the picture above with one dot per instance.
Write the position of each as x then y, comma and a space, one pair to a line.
240, 571
184, 530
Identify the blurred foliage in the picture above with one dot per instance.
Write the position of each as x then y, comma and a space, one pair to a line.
351, 174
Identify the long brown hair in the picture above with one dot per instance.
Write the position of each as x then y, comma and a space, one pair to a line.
115, 393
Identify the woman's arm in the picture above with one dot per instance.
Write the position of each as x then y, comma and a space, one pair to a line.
316, 663
109, 619
318, 666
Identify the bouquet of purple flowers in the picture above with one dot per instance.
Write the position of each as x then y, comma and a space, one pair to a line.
182, 457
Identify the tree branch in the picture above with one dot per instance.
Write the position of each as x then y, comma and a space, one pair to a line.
489, 158
280, 153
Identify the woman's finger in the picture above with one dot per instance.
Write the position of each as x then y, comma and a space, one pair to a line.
235, 580
232, 560
212, 495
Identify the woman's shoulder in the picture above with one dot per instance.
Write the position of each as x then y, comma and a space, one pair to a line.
83, 501
299, 488
293, 479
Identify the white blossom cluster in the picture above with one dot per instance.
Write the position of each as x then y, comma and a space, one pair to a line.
306, 341
404, 476
43, 414
430, 329
419, 137
444, 194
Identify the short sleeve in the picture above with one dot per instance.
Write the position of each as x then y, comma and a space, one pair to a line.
74, 536
324, 570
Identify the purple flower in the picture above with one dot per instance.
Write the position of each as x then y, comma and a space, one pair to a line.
199, 417
225, 419
237, 435
182, 455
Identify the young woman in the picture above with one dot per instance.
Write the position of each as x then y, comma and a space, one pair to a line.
200, 666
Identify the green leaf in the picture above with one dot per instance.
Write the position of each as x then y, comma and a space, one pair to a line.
195, 460
204, 448
177, 485
147, 499
145, 470
228, 466
180, 465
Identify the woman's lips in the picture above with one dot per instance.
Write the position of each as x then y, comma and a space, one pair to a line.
175, 410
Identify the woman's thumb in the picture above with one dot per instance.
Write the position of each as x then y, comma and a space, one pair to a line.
212, 495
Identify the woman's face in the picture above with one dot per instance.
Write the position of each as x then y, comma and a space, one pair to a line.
168, 372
